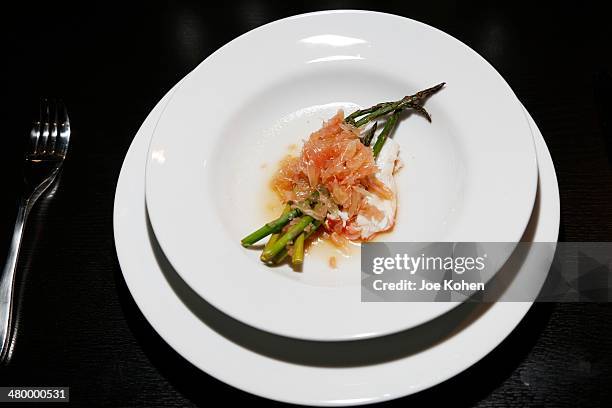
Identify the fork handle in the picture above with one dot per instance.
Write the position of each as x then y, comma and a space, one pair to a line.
7, 280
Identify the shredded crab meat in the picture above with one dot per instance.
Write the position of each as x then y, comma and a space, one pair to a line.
334, 160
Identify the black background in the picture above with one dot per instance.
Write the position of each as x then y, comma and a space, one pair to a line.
77, 324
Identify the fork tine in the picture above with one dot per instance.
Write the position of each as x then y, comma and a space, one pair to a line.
44, 123
34, 136
61, 146
53, 129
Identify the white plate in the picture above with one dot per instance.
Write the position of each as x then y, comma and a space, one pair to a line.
196, 331
469, 176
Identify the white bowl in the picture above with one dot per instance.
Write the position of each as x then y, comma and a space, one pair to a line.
468, 176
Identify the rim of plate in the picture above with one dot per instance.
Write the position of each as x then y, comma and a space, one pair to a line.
201, 345
179, 212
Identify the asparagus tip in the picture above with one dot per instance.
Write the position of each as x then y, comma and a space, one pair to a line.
422, 111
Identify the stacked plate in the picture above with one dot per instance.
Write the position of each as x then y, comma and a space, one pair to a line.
194, 183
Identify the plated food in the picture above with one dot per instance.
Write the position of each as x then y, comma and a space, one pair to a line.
466, 178
341, 187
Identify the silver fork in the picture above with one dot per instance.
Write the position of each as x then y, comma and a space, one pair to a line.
48, 145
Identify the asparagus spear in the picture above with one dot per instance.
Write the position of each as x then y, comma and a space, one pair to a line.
270, 228
282, 254
382, 109
385, 133
290, 235
275, 236
278, 224
298, 250
351, 118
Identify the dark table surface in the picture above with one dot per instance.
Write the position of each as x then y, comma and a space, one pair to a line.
77, 324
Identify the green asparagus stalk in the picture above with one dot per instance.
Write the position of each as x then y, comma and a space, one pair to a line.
351, 118
287, 237
387, 107
283, 254
298, 250
270, 228
380, 141
399, 105
276, 235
